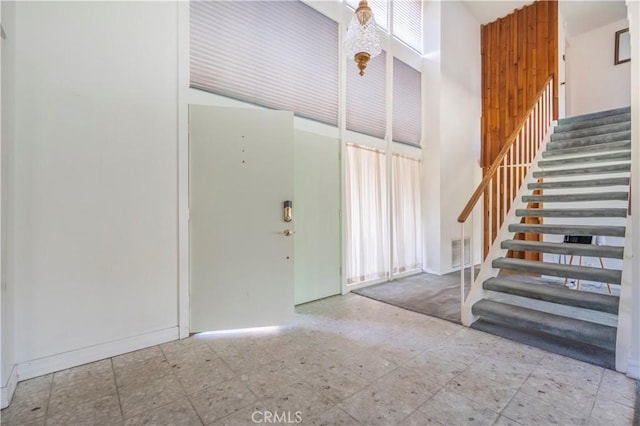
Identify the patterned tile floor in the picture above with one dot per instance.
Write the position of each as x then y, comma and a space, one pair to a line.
346, 360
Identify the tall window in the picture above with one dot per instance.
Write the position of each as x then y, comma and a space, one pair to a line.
407, 104
406, 214
367, 217
264, 52
407, 22
380, 10
378, 244
366, 107
406, 16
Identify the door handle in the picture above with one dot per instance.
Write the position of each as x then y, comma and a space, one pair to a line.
287, 210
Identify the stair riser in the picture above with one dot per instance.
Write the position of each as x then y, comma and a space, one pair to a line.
595, 117
591, 333
591, 183
623, 168
557, 295
572, 213
618, 156
604, 147
593, 140
613, 119
591, 131
603, 231
607, 252
572, 198
584, 273
562, 134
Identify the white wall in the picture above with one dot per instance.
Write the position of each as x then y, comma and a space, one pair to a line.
631, 306
431, 166
455, 145
562, 74
94, 253
594, 83
7, 54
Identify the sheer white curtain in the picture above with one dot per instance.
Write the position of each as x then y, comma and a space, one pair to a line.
406, 211
367, 217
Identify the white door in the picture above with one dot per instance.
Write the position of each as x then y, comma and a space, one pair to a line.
241, 258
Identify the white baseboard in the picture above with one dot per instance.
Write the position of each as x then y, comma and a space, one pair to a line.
633, 368
50, 364
9, 388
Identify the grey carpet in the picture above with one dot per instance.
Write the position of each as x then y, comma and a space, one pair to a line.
439, 296
433, 295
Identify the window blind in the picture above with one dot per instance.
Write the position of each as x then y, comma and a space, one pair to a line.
407, 22
278, 54
380, 11
407, 104
366, 112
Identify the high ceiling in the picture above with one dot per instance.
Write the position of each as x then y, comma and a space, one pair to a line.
580, 15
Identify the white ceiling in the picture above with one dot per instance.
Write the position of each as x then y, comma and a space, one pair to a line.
580, 15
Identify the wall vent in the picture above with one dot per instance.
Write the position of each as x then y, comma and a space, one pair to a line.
455, 253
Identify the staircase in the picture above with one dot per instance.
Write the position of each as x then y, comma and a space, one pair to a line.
583, 187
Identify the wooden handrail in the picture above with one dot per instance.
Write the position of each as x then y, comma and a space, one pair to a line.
468, 208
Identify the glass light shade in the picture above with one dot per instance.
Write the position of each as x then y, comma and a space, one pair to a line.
362, 41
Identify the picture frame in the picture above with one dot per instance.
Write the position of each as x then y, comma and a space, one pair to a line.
623, 47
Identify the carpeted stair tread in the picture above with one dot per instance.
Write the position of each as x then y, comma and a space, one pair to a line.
588, 159
617, 118
586, 196
590, 131
594, 116
579, 272
570, 249
591, 333
601, 147
592, 212
569, 348
594, 230
614, 168
554, 294
617, 181
590, 140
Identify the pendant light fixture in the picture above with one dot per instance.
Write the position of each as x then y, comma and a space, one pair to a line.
362, 41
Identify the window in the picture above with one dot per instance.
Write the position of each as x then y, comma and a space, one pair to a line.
407, 108
367, 218
380, 10
373, 236
263, 53
407, 22
406, 214
366, 108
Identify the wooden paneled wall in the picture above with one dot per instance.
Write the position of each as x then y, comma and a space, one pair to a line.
519, 52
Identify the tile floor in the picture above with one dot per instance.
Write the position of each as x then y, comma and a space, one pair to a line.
346, 361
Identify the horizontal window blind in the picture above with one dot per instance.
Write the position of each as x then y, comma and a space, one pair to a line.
366, 111
407, 105
380, 11
407, 22
278, 54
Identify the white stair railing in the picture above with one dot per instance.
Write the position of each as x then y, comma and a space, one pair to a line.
499, 190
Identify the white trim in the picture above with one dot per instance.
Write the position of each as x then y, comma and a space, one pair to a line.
633, 368
183, 169
50, 364
9, 389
